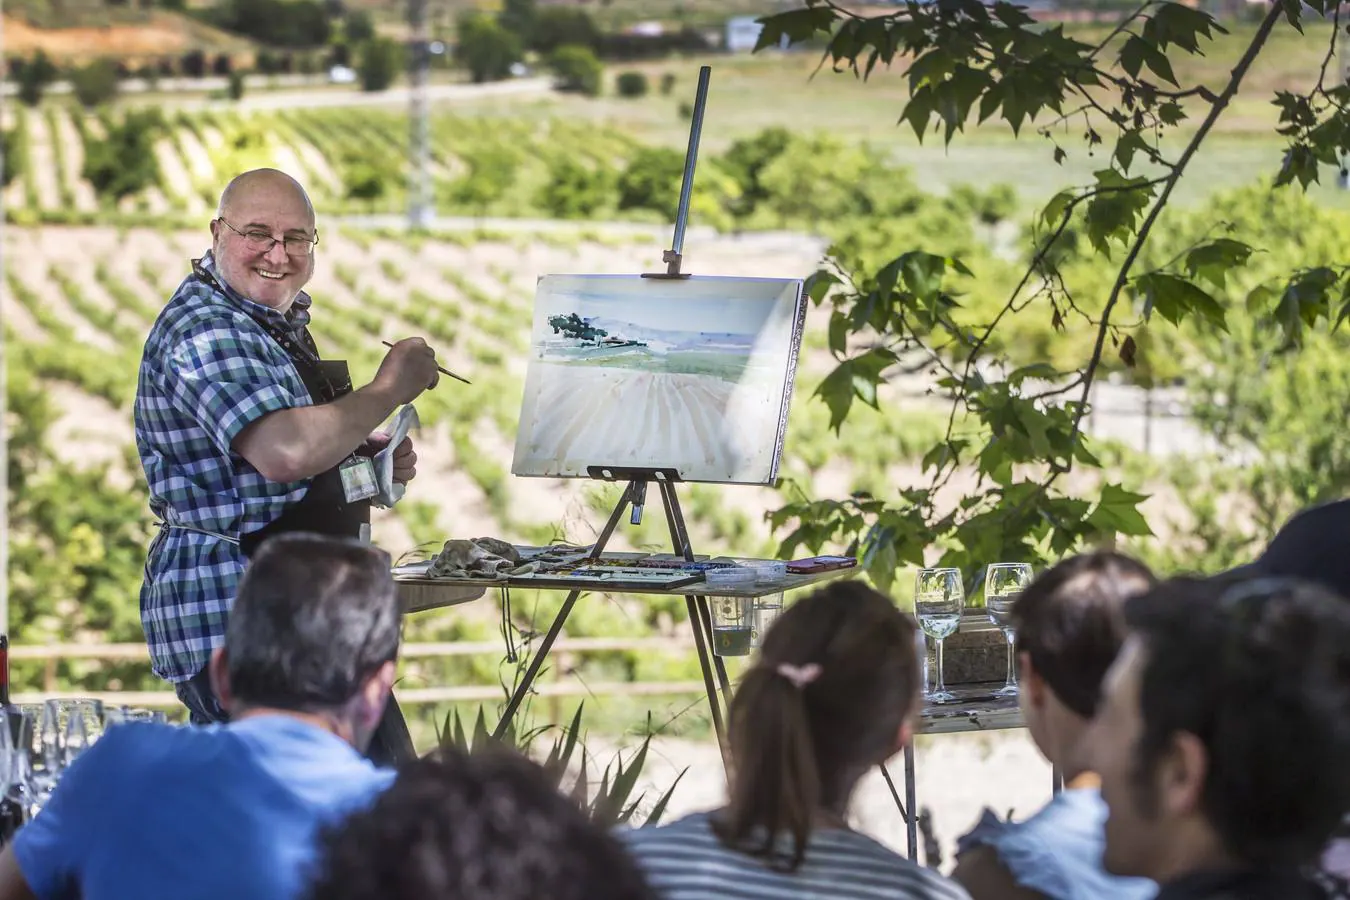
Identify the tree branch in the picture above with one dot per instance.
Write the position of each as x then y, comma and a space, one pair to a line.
1220, 104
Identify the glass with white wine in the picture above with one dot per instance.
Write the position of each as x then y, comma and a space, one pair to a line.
939, 597
1003, 584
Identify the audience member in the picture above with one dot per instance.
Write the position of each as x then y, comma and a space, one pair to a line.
231, 811
832, 694
1070, 624
1312, 546
487, 826
1222, 738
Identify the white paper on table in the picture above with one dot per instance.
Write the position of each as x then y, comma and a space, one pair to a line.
392, 491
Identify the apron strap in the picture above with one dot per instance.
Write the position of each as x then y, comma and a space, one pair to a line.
215, 534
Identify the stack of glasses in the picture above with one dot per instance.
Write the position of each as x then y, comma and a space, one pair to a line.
41, 741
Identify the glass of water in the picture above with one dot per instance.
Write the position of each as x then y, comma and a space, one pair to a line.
939, 597
1003, 584
732, 626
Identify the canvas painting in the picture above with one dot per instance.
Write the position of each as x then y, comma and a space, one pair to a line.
693, 375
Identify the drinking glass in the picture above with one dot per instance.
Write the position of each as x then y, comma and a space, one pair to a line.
40, 751
766, 611
90, 712
939, 597
732, 626
1003, 584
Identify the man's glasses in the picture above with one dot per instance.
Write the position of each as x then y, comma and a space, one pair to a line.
262, 241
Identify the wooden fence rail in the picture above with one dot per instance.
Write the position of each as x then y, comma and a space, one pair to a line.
52, 653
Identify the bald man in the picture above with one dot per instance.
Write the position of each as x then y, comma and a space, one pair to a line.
244, 431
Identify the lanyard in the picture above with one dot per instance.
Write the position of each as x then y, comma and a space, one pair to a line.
302, 353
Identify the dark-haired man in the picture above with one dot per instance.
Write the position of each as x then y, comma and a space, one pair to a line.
231, 811
1222, 738
1070, 624
483, 827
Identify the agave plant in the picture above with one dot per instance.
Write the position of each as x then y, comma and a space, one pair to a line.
610, 806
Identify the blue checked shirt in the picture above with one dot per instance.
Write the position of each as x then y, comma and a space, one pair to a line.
208, 370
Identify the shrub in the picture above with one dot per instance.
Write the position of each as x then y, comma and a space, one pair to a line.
576, 191
12, 149
95, 84
578, 70
485, 48
561, 26
236, 89
34, 77
631, 84
125, 162
381, 59
193, 64
667, 83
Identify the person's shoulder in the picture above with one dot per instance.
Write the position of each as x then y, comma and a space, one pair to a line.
859, 857
315, 766
694, 828
196, 308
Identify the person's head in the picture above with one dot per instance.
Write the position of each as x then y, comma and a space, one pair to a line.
831, 695
315, 630
1310, 546
487, 826
256, 208
1070, 623
1224, 728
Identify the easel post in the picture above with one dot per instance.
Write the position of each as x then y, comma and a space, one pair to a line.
700, 615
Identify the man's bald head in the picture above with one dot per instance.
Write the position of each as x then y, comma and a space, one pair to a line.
246, 185
262, 213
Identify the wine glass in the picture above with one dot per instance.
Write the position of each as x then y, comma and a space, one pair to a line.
938, 599
1003, 584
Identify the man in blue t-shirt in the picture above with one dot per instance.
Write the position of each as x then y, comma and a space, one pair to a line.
232, 811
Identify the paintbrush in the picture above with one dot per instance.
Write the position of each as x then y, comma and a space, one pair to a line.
443, 371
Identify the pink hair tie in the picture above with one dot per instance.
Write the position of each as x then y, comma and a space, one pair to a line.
800, 676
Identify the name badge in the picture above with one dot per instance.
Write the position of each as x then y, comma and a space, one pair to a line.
358, 478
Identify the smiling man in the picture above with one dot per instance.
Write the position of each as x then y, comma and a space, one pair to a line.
244, 431
1222, 736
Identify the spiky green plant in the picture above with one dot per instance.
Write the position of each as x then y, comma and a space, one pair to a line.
610, 806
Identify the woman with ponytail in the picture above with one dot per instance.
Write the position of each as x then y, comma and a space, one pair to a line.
833, 693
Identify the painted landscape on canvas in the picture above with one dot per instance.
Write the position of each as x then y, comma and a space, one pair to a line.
693, 375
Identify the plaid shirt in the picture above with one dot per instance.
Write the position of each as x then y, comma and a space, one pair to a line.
207, 371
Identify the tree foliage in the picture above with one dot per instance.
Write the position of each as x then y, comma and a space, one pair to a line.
485, 48
125, 163
380, 62
33, 77
1013, 476
76, 544
276, 23
577, 69
94, 84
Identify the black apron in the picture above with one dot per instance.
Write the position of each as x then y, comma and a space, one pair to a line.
324, 509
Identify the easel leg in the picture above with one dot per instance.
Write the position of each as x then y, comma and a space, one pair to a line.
679, 535
911, 802
518, 696
700, 619
702, 642
905, 814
